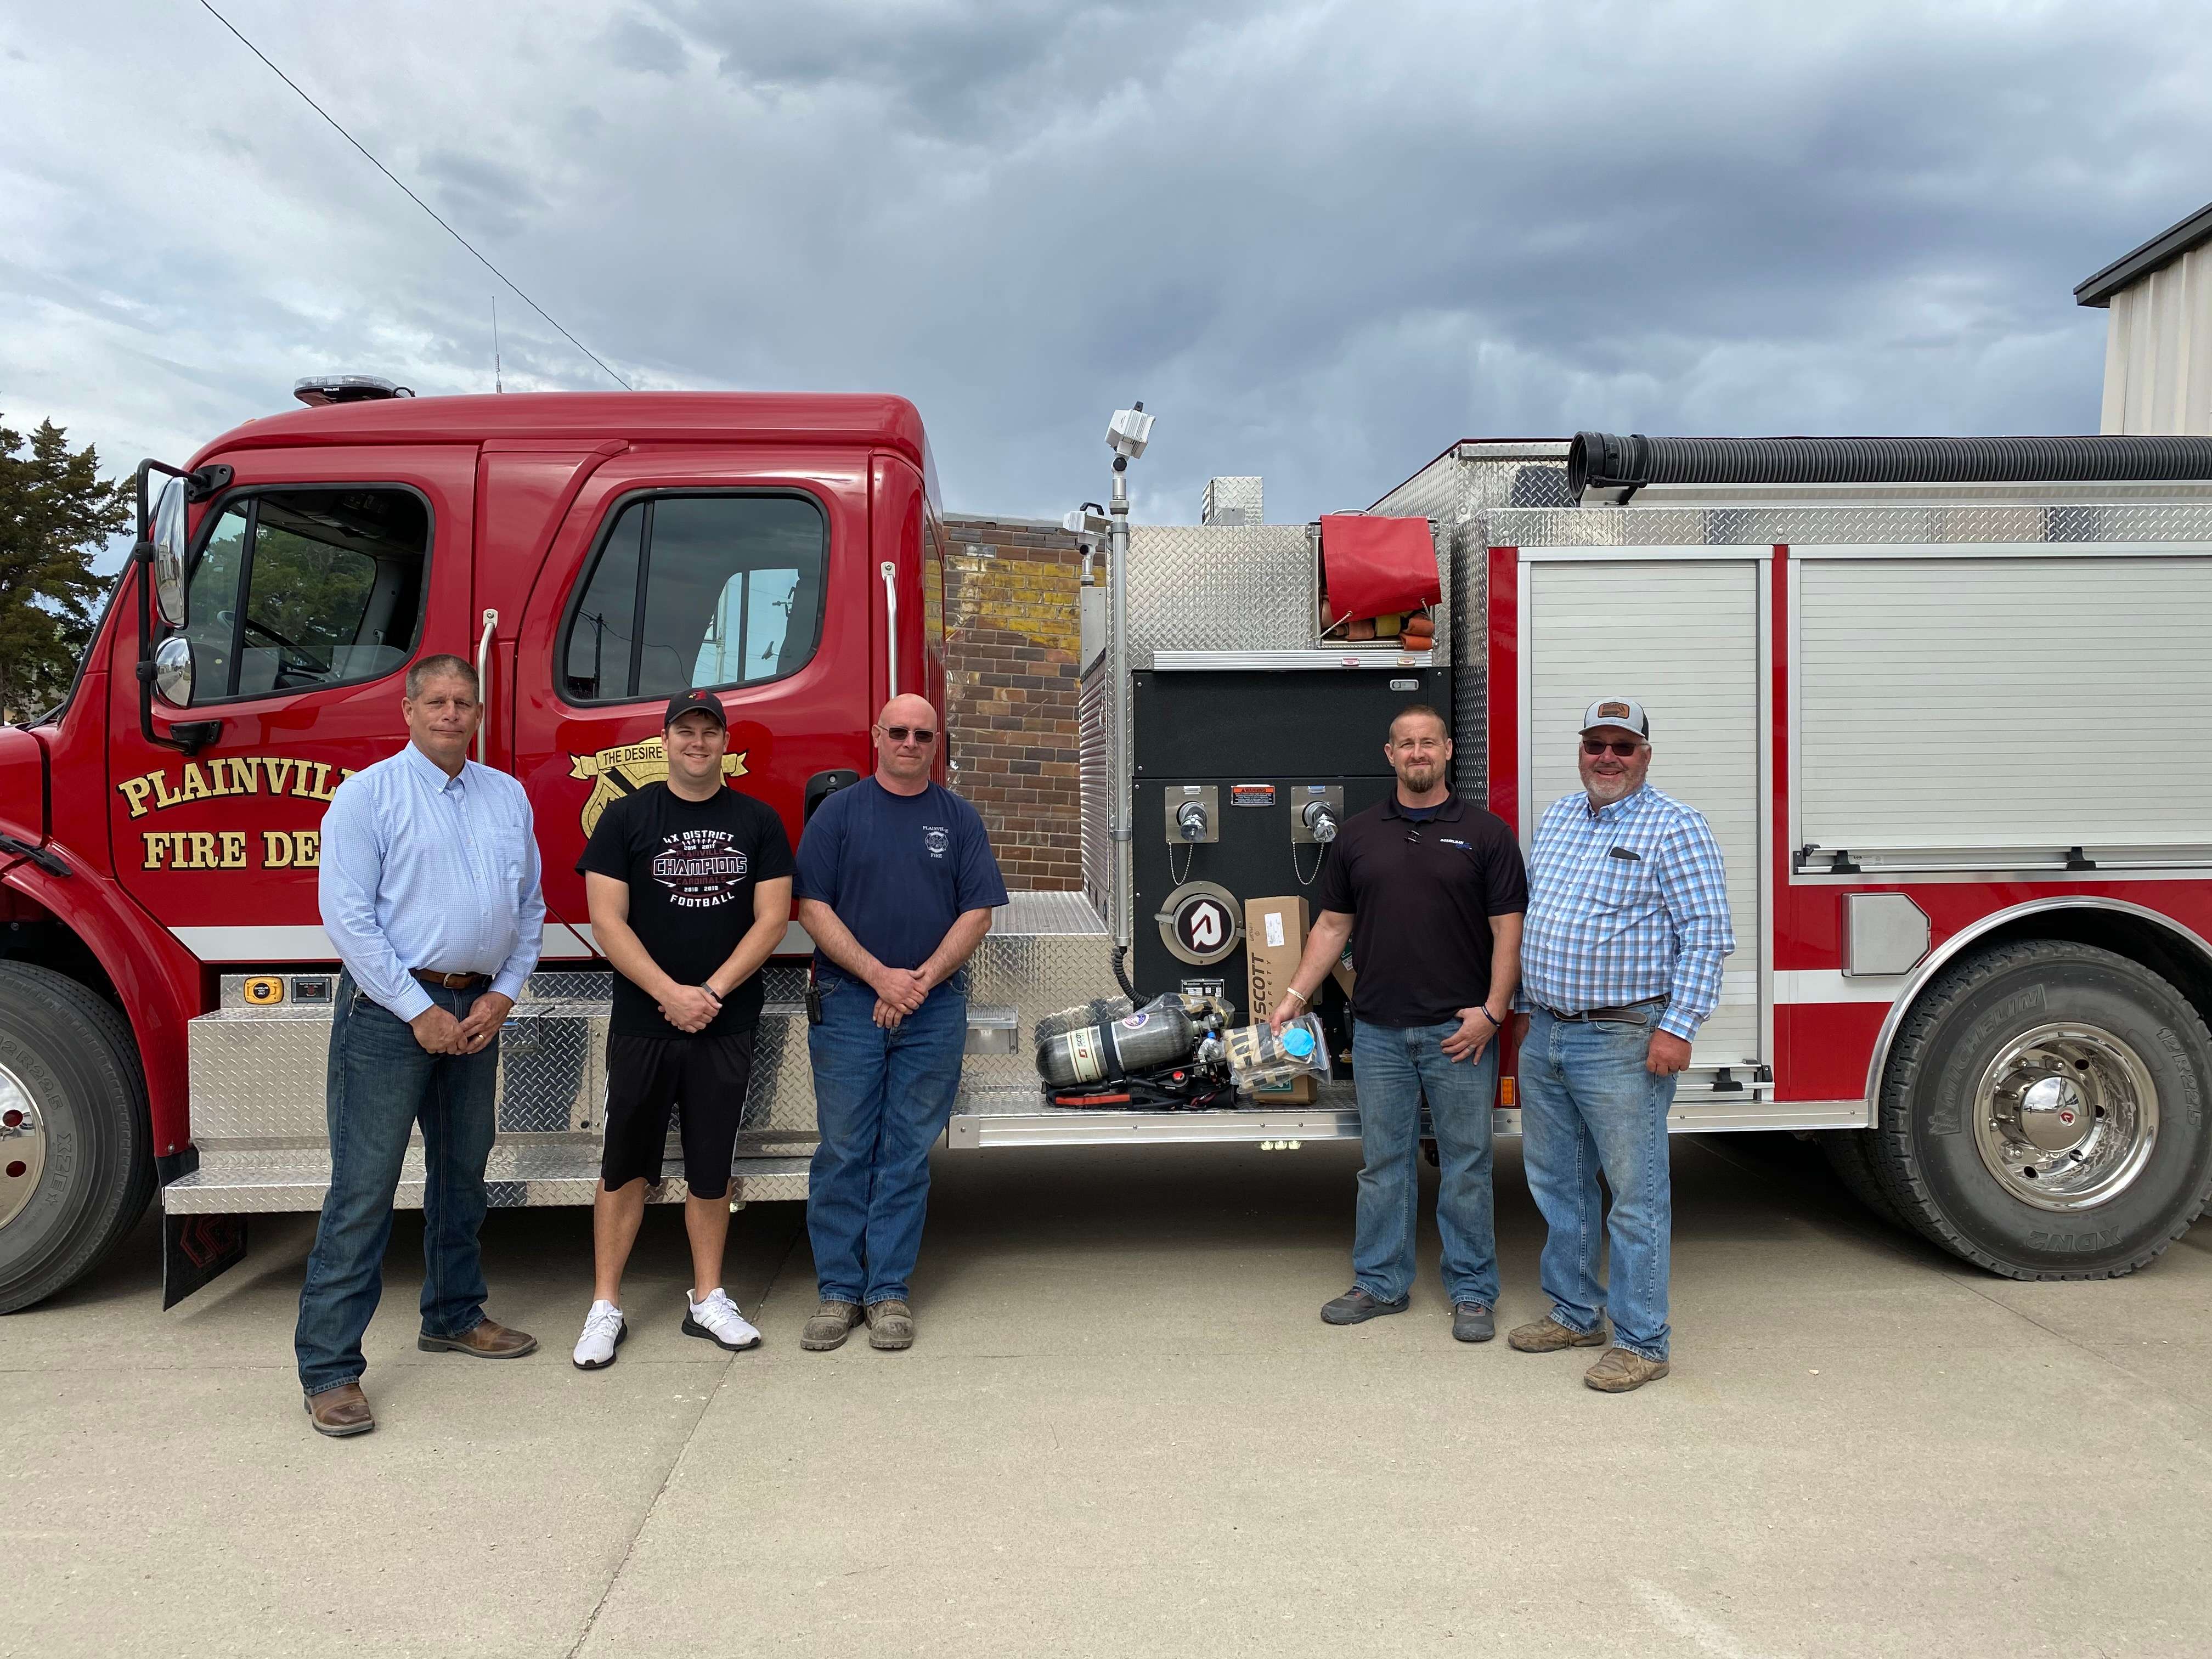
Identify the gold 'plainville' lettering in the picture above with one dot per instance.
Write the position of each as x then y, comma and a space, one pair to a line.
227, 849
220, 777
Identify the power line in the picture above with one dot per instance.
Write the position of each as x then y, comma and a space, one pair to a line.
412, 197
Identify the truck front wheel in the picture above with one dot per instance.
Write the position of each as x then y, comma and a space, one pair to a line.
2043, 1112
76, 1164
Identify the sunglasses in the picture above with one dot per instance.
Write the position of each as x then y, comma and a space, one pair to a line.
900, 733
1625, 750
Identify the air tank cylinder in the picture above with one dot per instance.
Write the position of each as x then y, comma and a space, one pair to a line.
1101, 1041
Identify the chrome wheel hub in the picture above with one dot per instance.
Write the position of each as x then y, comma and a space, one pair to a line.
2065, 1116
22, 1146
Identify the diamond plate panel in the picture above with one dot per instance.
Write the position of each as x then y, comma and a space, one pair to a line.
1046, 912
552, 1070
1477, 474
1035, 974
1813, 526
780, 1102
1206, 586
258, 1075
1438, 491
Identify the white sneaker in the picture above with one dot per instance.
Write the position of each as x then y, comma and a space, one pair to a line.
718, 1320
604, 1330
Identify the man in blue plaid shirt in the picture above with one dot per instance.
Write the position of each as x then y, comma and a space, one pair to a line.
1620, 964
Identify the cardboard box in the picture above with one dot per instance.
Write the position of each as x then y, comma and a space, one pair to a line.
1274, 939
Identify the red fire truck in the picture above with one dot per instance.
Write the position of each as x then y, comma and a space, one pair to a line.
1937, 704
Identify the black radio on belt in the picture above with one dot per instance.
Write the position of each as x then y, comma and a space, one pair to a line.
813, 999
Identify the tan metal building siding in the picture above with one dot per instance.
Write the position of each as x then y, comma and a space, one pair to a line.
2158, 345
2158, 350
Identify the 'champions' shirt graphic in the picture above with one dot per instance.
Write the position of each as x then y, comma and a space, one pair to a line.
691, 867
701, 868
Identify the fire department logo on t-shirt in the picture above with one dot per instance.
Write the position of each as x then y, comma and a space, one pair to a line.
701, 868
627, 768
937, 838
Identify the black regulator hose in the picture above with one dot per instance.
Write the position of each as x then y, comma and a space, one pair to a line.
1122, 973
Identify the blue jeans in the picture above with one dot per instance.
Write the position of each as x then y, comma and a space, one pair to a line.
381, 1082
1393, 1068
881, 1099
1587, 1104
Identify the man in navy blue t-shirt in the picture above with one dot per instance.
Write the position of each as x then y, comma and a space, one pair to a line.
895, 885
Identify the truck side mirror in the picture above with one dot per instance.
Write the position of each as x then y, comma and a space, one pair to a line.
167, 549
173, 671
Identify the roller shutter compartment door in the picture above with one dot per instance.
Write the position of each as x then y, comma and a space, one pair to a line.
1955, 704
1682, 638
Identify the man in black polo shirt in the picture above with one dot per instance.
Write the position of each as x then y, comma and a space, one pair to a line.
1430, 892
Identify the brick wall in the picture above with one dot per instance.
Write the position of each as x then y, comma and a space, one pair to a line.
1012, 635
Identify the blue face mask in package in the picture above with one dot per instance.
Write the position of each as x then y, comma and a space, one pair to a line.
1258, 1058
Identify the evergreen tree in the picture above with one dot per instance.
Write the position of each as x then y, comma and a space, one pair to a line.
56, 515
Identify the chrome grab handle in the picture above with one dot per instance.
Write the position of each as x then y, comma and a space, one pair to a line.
890, 620
483, 682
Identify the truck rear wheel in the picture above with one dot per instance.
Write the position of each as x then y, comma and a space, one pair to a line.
2043, 1112
76, 1164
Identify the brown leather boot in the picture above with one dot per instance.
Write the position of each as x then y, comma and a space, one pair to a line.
340, 1412
489, 1340
1549, 1336
1622, 1370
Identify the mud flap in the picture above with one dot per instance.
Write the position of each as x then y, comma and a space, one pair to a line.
196, 1249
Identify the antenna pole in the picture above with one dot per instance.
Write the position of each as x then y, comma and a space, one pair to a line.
497, 383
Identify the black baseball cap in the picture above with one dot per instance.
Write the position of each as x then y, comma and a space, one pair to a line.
704, 703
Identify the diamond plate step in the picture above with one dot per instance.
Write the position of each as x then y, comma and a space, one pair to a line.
1023, 1117
233, 1182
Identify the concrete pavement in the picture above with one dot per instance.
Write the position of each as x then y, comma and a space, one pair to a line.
1124, 1430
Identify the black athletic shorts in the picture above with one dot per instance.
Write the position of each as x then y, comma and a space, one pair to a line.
703, 1077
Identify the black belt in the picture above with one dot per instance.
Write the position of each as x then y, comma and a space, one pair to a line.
451, 981
1627, 1014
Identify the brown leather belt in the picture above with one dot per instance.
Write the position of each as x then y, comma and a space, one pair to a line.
1633, 1014
451, 981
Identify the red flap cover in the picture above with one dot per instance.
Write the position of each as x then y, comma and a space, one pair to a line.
1374, 566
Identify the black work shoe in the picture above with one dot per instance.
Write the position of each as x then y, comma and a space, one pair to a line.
1356, 1305
1473, 1322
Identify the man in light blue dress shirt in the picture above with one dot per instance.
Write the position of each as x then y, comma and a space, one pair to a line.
428, 891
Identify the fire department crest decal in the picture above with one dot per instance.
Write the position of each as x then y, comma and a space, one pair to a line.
626, 769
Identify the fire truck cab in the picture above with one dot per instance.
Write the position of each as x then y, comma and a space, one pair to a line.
591, 555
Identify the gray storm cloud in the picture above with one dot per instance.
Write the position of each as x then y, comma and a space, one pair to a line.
1320, 240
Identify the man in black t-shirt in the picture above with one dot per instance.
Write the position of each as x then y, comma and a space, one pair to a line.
690, 887
1431, 892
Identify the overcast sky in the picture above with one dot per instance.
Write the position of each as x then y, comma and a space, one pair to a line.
1321, 241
